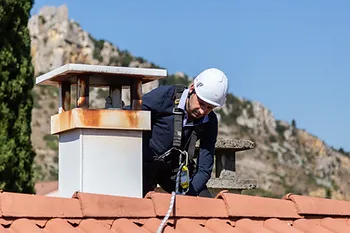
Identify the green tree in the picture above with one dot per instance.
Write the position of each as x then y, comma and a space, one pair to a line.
294, 127
16, 100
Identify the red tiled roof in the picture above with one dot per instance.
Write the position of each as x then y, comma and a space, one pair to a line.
227, 212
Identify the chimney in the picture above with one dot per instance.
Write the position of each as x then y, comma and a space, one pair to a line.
100, 150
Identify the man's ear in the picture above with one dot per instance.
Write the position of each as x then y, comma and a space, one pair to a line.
190, 90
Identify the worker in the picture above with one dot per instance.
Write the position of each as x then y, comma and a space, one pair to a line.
198, 122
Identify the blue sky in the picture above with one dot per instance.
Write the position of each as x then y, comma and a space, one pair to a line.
292, 56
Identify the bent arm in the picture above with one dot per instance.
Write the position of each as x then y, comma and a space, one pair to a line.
205, 161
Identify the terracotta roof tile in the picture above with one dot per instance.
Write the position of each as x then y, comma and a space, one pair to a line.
250, 226
186, 225
309, 226
252, 206
111, 206
333, 225
220, 225
22, 205
231, 213
152, 225
59, 225
319, 206
24, 225
280, 226
3, 230
205, 207
93, 226
124, 225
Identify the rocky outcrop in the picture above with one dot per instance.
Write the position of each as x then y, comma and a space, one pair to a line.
285, 159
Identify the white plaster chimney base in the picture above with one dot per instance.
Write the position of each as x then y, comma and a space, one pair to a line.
100, 161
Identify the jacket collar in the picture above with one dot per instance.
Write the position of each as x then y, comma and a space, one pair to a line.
182, 105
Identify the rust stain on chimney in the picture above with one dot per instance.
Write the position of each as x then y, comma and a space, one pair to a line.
62, 121
100, 118
68, 122
91, 117
132, 118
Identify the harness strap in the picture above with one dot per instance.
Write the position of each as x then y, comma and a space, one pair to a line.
178, 117
192, 145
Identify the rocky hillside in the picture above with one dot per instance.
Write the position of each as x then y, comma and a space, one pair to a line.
286, 158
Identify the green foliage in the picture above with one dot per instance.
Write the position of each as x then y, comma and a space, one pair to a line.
42, 20
98, 47
334, 185
51, 141
235, 107
36, 99
311, 180
294, 128
328, 193
173, 79
38, 172
154, 66
342, 151
280, 128
272, 138
249, 107
114, 61
125, 58
77, 24
16, 100
140, 59
53, 173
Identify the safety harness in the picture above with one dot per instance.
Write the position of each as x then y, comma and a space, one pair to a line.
178, 123
178, 116
182, 180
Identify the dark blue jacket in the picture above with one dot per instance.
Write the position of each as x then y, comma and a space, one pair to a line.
157, 141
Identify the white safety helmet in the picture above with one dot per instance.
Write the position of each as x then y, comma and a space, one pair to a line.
211, 85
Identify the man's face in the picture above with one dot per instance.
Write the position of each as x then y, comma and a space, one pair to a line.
197, 108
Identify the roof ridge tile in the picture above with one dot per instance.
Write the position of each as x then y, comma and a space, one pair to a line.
240, 205
36, 206
103, 205
307, 205
188, 206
